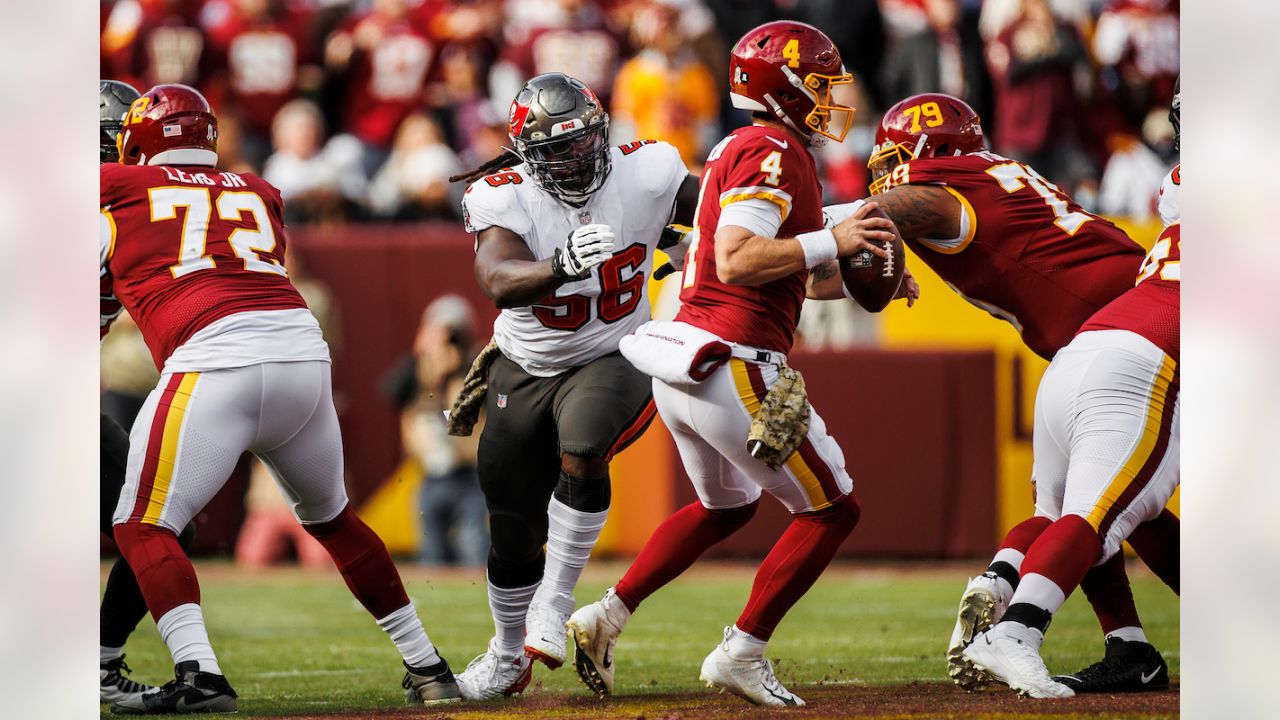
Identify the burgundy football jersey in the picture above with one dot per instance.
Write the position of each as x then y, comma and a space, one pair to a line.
191, 245
387, 81
755, 162
1152, 307
262, 56
1028, 254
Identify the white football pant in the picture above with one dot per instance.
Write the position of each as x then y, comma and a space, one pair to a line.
1106, 434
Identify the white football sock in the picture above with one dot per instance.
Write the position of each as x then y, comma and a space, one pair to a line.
509, 607
1040, 591
1011, 556
107, 654
745, 646
184, 633
405, 630
1132, 633
571, 535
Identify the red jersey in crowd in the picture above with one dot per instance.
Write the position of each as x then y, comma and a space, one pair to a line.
261, 54
148, 42
754, 163
387, 77
585, 49
1152, 307
1026, 253
184, 247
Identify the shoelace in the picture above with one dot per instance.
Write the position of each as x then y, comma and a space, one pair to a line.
771, 682
1106, 672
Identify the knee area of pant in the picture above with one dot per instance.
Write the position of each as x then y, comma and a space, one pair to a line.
843, 513
731, 519
344, 520
584, 465
188, 536
144, 544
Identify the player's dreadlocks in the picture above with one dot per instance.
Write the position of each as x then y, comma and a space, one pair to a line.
507, 158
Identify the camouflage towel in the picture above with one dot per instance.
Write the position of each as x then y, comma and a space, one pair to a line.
781, 423
466, 407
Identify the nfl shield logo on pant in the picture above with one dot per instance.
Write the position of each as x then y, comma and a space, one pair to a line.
502, 401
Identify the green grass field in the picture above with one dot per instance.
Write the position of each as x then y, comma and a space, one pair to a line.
296, 643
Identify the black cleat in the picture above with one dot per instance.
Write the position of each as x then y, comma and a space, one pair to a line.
1127, 667
191, 691
431, 685
114, 683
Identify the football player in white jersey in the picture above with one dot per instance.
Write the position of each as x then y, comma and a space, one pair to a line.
566, 227
1168, 203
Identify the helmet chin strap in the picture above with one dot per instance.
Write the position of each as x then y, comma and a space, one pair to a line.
814, 139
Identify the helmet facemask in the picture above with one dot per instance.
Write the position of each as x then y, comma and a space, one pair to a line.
889, 157
108, 141
571, 166
826, 114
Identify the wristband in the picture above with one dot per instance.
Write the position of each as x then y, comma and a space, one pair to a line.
819, 247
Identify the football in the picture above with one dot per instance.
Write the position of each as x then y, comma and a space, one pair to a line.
873, 281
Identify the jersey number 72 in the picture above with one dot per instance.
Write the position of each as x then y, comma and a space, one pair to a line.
231, 205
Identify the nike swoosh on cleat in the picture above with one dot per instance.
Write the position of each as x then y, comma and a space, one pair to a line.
780, 143
1148, 678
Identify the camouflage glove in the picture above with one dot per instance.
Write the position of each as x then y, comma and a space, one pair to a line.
466, 407
781, 423
675, 241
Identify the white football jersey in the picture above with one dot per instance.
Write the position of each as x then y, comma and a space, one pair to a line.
1168, 206
586, 318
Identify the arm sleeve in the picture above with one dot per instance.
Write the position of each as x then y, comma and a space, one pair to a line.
662, 172
485, 206
761, 217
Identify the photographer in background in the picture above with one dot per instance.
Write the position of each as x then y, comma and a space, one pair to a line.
423, 386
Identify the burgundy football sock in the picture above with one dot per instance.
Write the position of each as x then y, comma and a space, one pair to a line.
675, 545
795, 563
163, 571
1055, 564
1007, 562
1158, 543
1107, 588
364, 562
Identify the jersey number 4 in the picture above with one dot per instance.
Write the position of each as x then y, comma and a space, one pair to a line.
618, 297
246, 243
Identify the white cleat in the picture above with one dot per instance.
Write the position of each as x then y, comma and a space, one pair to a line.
981, 606
545, 634
494, 675
595, 629
1009, 652
751, 680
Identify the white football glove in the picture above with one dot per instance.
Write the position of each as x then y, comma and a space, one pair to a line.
587, 247
833, 215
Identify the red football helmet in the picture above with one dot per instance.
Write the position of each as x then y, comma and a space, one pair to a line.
171, 125
786, 69
928, 125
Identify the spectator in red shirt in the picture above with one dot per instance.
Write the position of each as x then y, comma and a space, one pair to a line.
263, 53
1136, 43
569, 36
148, 42
387, 56
1036, 111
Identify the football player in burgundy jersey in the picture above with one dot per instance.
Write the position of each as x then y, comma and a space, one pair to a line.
1015, 246
1106, 458
197, 258
759, 235
122, 605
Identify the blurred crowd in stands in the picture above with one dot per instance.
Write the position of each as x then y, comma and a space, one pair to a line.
362, 109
